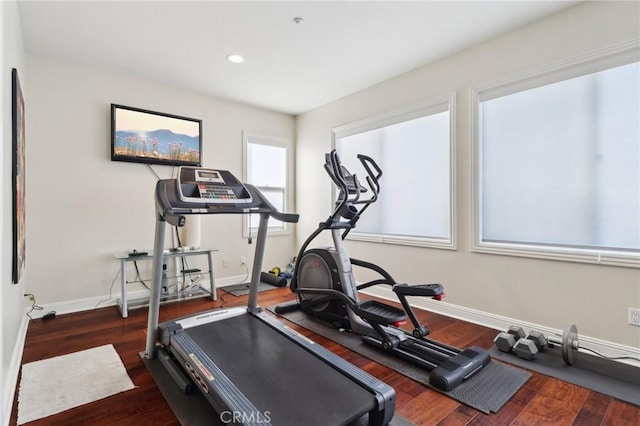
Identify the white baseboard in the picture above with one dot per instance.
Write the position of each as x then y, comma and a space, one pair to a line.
86, 304
502, 323
12, 373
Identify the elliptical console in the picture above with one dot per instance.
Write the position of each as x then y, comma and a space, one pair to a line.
324, 283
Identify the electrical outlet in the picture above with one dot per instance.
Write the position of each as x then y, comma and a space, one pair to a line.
634, 316
225, 263
243, 260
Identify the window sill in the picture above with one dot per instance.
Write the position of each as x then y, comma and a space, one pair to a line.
440, 243
630, 260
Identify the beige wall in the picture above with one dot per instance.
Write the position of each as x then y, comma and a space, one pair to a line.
82, 207
548, 293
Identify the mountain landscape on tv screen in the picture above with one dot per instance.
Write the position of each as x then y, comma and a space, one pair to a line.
162, 144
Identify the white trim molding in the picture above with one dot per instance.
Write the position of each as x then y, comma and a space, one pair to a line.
12, 373
90, 303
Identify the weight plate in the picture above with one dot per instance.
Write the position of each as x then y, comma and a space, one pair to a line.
569, 343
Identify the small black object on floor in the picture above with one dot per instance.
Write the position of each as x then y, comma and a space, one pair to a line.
243, 288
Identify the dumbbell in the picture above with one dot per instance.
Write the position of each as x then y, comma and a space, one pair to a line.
569, 344
513, 340
527, 348
280, 273
506, 340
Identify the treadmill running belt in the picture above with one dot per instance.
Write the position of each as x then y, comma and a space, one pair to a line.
307, 391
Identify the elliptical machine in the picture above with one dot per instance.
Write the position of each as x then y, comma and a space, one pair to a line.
324, 283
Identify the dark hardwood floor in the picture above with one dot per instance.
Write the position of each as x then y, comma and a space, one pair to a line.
542, 400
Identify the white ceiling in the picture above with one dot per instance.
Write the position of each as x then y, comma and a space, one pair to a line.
341, 48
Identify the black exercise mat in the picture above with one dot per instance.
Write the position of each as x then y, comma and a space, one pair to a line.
195, 410
609, 377
487, 391
243, 288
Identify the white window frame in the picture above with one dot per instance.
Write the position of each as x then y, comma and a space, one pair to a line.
250, 225
600, 60
444, 103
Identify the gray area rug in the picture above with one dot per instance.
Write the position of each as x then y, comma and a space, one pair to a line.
487, 391
609, 377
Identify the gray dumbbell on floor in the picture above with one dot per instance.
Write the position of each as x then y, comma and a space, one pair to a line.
506, 340
514, 340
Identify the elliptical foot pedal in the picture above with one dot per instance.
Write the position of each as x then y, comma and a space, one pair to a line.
380, 313
427, 290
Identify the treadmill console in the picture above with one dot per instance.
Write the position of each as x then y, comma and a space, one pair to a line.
210, 186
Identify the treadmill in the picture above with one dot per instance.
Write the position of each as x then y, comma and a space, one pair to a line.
250, 367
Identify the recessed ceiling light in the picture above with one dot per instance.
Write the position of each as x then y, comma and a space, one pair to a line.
298, 20
235, 58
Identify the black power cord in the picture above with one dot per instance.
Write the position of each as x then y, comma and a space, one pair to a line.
34, 307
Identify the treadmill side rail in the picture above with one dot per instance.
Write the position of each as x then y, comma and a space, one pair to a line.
209, 316
223, 395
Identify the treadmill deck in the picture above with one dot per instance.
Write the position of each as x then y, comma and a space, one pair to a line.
286, 383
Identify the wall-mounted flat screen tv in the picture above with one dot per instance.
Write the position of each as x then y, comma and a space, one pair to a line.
143, 136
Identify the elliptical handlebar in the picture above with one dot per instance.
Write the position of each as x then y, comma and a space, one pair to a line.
348, 183
368, 163
330, 168
351, 189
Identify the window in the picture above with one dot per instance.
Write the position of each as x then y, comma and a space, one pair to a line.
267, 167
558, 164
414, 149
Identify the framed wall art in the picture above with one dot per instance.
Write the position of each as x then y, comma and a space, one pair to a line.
18, 178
